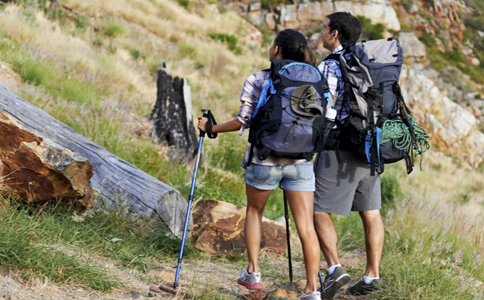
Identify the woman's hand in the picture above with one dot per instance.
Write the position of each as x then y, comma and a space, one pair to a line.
202, 124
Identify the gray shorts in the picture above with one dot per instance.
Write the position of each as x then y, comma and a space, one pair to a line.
345, 186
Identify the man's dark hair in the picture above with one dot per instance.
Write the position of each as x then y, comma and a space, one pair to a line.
348, 26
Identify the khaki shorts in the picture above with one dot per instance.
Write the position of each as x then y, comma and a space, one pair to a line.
346, 185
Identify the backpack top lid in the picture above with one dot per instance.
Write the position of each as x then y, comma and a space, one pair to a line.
372, 62
381, 53
294, 71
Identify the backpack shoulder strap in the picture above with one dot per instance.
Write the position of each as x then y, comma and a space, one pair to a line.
333, 56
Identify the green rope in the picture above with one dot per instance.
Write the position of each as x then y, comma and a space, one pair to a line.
399, 134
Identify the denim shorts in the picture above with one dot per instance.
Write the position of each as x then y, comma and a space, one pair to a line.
293, 177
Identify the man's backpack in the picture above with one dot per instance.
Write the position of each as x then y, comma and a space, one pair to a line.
379, 127
289, 117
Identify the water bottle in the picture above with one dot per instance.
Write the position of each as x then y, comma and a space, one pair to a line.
330, 114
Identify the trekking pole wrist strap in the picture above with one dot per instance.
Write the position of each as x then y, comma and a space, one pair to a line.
208, 126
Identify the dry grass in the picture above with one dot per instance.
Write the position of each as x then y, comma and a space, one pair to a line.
450, 197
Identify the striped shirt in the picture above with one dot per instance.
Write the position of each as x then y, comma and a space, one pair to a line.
331, 71
249, 99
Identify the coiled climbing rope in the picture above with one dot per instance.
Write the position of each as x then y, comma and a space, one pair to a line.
398, 132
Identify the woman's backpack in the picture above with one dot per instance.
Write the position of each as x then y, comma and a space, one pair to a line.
288, 120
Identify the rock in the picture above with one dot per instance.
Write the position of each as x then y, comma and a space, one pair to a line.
450, 126
258, 295
378, 11
219, 228
306, 15
281, 293
413, 49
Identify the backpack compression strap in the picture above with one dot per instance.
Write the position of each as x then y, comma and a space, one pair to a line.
405, 112
208, 126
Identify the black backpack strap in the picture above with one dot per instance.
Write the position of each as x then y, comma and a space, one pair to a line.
333, 56
374, 157
208, 126
264, 153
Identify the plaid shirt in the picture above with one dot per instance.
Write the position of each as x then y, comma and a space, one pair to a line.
249, 99
331, 71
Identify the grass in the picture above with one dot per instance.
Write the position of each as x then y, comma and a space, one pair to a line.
31, 256
99, 79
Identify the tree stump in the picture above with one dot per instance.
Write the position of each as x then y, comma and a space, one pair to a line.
172, 116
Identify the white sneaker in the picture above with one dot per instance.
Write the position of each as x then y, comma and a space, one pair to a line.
316, 295
252, 281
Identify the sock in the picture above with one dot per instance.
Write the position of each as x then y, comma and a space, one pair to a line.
368, 280
332, 268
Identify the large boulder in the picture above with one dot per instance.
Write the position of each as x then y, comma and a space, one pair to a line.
219, 228
453, 128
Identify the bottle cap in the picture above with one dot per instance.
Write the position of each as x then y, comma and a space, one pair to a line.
330, 113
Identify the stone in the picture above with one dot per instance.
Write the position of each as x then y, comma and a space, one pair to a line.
413, 48
452, 127
219, 228
258, 295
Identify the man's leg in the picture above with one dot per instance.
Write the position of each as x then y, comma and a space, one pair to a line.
327, 236
374, 238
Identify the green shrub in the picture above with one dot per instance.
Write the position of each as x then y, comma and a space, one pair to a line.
81, 22
136, 54
229, 39
114, 29
407, 4
370, 31
390, 189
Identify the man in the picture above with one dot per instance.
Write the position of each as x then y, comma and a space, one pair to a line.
343, 181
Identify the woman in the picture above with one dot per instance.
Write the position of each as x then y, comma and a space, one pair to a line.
295, 176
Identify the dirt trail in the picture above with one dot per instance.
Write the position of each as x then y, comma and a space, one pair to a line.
195, 276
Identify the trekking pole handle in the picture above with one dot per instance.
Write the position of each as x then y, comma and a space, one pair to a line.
206, 113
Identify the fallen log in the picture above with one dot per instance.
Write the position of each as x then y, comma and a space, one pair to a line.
119, 183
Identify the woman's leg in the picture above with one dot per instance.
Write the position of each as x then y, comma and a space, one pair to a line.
301, 204
256, 202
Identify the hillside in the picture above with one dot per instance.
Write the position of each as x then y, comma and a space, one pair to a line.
92, 65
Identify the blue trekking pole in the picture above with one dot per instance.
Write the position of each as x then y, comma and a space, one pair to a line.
288, 236
206, 114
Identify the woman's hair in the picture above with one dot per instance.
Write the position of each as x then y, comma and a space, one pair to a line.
294, 45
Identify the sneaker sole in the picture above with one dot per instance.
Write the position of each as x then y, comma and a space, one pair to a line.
255, 286
330, 292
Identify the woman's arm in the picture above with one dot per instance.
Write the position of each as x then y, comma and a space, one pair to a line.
233, 125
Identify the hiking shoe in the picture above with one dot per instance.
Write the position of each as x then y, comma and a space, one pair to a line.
252, 281
310, 296
362, 288
333, 282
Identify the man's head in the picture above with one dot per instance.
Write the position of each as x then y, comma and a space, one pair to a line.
339, 27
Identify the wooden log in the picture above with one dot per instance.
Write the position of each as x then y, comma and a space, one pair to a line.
172, 117
118, 182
